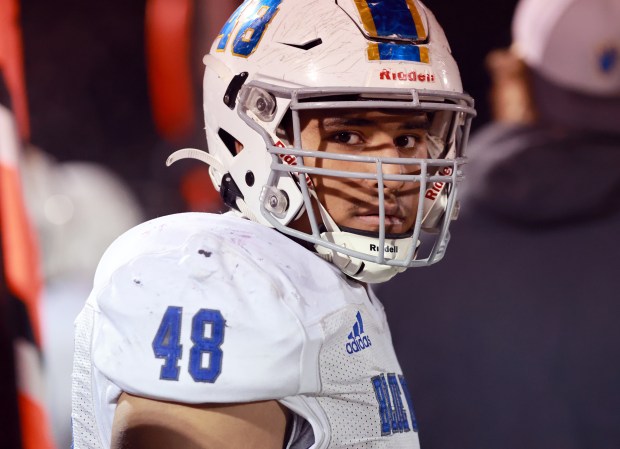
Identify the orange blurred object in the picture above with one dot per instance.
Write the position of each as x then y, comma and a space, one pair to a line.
20, 251
11, 62
168, 51
23, 279
198, 192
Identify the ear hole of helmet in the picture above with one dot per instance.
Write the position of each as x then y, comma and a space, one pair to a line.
228, 140
284, 131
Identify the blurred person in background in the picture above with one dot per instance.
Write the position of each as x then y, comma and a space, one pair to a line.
513, 341
78, 209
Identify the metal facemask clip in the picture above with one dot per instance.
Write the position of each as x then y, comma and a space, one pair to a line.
260, 102
274, 200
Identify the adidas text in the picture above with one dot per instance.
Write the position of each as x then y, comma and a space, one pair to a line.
358, 344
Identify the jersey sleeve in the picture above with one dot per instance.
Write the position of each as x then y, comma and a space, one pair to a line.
194, 320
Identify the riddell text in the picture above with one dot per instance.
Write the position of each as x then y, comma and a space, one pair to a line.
289, 159
436, 187
388, 249
407, 76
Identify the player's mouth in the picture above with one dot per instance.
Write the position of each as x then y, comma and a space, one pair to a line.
394, 220
374, 220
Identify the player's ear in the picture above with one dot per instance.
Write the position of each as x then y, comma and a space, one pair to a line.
238, 147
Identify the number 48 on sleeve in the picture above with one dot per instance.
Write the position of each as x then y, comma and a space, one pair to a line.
167, 344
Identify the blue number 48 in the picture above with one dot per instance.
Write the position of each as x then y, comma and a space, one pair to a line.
167, 344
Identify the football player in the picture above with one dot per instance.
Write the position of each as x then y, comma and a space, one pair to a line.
336, 132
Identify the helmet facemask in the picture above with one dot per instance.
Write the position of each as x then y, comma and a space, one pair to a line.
373, 254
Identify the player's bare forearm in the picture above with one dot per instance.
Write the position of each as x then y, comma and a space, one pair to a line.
141, 423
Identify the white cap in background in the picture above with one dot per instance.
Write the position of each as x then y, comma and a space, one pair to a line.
572, 43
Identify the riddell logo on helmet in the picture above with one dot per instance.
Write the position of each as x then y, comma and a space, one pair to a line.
386, 74
388, 248
289, 159
436, 187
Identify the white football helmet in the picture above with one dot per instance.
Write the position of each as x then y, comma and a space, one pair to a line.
275, 58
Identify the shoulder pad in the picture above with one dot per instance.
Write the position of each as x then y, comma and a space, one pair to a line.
189, 317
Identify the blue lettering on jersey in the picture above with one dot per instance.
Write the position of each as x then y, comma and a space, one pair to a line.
403, 384
385, 405
251, 20
210, 345
392, 410
167, 344
400, 422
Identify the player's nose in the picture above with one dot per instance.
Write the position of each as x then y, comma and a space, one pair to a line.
389, 164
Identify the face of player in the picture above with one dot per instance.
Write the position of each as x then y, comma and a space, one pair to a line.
354, 203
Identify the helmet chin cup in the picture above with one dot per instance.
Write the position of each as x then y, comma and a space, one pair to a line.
391, 259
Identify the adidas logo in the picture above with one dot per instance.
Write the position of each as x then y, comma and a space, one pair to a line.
358, 341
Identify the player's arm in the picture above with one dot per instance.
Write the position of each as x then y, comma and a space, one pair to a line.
141, 423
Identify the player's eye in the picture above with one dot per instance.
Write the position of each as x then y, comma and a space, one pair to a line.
346, 137
407, 142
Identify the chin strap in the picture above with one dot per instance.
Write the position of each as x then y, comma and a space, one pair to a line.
354, 267
215, 168
362, 270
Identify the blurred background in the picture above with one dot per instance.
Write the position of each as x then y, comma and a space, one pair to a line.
103, 92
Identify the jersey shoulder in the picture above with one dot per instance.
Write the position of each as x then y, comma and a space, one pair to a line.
152, 237
185, 312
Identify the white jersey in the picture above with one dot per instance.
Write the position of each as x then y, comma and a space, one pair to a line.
200, 308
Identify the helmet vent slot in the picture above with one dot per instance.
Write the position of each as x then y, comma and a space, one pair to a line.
228, 140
